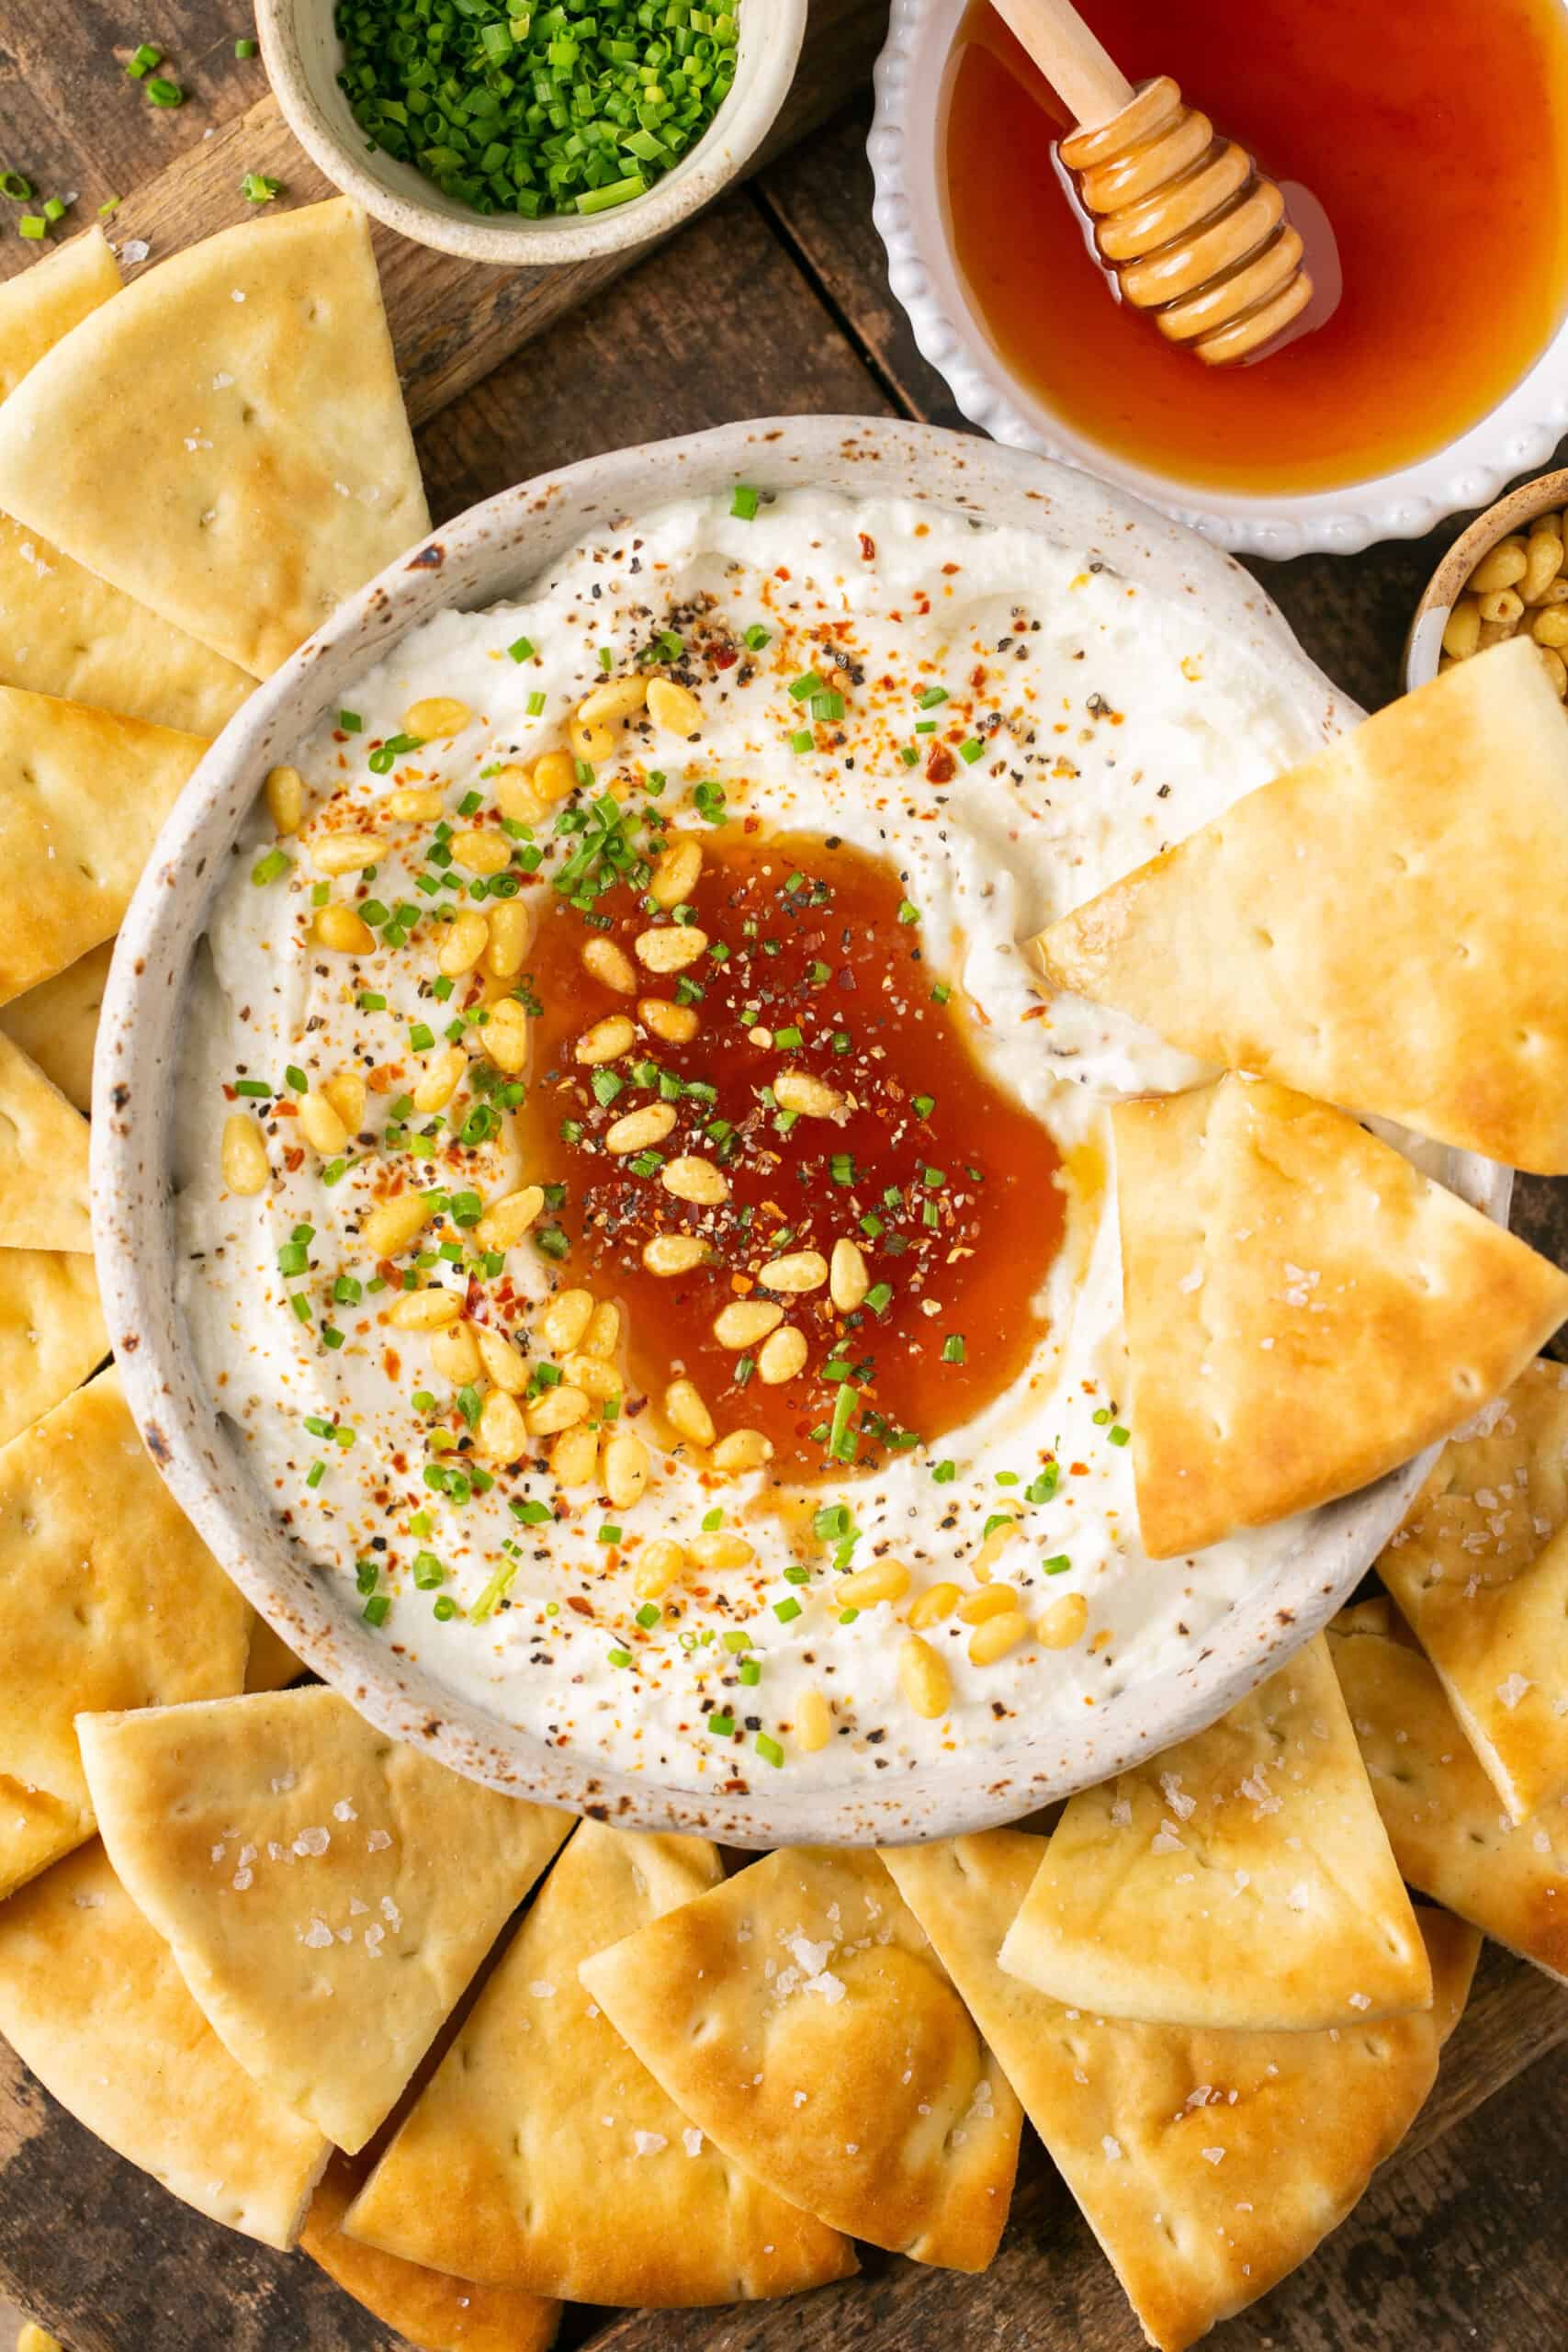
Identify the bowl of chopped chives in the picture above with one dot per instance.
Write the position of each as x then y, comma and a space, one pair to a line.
531, 135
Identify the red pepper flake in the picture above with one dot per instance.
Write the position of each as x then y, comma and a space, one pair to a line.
867, 546
941, 766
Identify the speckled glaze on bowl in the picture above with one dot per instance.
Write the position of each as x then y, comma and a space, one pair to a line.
493, 552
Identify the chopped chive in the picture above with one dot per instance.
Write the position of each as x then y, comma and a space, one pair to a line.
744, 503
786, 1610
257, 188
769, 1749
972, 751
952, 1351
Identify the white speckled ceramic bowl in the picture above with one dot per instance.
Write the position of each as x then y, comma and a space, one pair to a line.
911, 96
492, 552
303, 55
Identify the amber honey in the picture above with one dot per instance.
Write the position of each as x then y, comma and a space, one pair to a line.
946, 1186
1436, 139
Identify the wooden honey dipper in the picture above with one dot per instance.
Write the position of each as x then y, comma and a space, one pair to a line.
1191, 232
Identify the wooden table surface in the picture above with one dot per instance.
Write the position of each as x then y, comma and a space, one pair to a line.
774, 302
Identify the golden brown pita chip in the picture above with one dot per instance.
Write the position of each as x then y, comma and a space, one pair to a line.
51, 1332
271, 1664
44, 1198
1208, 2164
429, 2309
1453, 1947
543, 2155
42, 305
1304, 1310
1480, 1569
1379, 927
226, 443
108, 1598
1241, 1881
1446, 1822
328, 1893
798, 2015
56, 1025
91, 2000
83, 796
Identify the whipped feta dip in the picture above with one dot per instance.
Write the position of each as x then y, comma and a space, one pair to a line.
1003, 724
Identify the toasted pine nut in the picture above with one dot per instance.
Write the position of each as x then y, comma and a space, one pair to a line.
1500, 567
345, 1092
677, 873
746, 1322
506, 1221
574, 1457
467, 936
1548, 625
673, 1253
848, 1281
558, 1409
616, 698
671, 946
435, 716
878, 1580
797, 1091
555, 774
691, 1177
928, 1608
625, 1470
426, 1310
1543, 561
499, 1358
591, 739
510, 931
602, 1336
341, 930
480, 852
686, 1413
674, 708
346, 852
657, 1567
801, 1271
743, 1450
1503, 605
325, 1131
722, 1550
565, 1320
392, 1225
610, 964
923, 1678
516, 794
676, 1023
991, 1549
596, 1378
780, 1357
1461, 630
1064, 1622
245, 1167
996, 1636
413, 804
813, 1722
505, 1035
439, 1082
991, 1601
1555, 669
454, 1353
284, 790
639, 1129
606, 1041
503, 1433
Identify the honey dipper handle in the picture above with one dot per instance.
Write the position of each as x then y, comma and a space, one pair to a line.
1084, 76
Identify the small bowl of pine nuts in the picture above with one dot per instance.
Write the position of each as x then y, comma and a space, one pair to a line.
1506, 576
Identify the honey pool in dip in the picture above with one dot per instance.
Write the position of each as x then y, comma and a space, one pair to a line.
654, 1242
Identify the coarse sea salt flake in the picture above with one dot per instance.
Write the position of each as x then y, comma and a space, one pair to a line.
648, 2144
378, 1841
313, 1841
1111, 2149
317, 1936
344, 1811
1511, 1691
691, 2140
1212, 2155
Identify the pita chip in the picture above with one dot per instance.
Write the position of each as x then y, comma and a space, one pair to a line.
226, 442
1378, 927
799, 2016
1480, 1569
91, 2000
428, 2309
1304, 1310
1446, 1822
270, 1664
542, 2154
51, 1332
43, 1162
327, 1892
42, 305
1207, 2164
1241, 1881
83, 796
108, 1598
56, 1025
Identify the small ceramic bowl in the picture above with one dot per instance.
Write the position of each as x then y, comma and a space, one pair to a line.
302, 54
496, 551
905, 147
1516, 512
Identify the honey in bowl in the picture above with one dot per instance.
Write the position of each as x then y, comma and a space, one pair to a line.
1435, 139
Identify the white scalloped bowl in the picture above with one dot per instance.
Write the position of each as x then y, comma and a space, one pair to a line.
1522, 431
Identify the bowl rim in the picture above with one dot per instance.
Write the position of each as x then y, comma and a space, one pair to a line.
396, 195
492, 551
1521, 430
1517, 507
